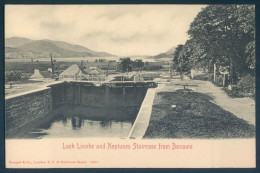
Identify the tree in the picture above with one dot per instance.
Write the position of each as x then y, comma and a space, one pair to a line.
177, 58
13, 76
250, 50
126, 64
248, 26
139, 64
226, 34
181, 58
197, 57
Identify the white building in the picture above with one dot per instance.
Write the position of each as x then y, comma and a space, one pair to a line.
71, 73
36, 75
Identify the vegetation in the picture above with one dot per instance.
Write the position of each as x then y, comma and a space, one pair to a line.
223, 35
195, 116
139, 64
245, 87
126, 64
13, 76
152, 67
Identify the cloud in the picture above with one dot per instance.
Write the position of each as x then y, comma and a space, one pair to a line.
118, 29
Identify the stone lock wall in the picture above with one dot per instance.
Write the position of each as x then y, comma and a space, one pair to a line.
24, 108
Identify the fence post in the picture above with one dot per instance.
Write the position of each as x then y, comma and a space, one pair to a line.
214, 72
224, 79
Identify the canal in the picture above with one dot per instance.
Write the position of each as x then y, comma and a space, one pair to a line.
81, 110
69, 121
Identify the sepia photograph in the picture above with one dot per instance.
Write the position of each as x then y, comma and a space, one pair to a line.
130, 73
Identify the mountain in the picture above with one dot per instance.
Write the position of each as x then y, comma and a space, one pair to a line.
46, 47
171, 50
17, 47
165, 55
16, 41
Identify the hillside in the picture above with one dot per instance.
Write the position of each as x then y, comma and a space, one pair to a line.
171, 50
17, 47
46, 47
165, 55
16, 41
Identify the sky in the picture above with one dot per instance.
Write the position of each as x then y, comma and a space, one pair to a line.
118, 29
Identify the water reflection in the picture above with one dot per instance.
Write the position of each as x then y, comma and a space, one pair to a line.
64, 121
105, 123
66, 125
80, 127
76, 123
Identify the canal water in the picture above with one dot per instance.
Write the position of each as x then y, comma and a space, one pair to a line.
82, 110
70, 121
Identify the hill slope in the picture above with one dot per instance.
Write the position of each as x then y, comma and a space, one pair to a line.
165, 55
17, 47
16, 41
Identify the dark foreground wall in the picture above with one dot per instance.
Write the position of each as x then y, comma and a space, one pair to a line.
24, 108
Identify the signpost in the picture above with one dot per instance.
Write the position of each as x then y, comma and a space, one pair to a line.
224, 78
52, 67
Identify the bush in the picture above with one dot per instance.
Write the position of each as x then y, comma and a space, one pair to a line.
246, 85
13, 76
204, 77
152, 68
219, 80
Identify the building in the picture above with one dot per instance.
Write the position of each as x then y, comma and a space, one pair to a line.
40, 75
93, 74
71, 73
37, 75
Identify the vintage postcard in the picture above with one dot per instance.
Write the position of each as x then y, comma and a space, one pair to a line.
130, 86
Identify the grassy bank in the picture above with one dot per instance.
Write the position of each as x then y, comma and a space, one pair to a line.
195, 116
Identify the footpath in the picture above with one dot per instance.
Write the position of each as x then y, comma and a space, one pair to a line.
243, 108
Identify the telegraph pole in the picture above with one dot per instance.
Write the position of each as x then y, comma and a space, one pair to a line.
107, 68
52, 66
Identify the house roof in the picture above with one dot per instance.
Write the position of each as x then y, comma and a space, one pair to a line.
94, 72
36, 74
72, 70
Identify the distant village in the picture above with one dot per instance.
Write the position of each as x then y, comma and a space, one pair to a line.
84, 70
73, 72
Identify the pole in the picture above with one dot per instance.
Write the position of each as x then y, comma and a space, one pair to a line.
215, 72
52, 66
224, 79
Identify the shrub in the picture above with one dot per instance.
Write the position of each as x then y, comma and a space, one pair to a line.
219, 80
13, 76
246, 85
152, 68
204, 77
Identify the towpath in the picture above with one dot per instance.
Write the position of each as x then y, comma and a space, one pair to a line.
243, 108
